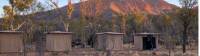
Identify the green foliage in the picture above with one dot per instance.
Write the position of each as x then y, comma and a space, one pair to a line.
167, 20
78, 28
8, 14
21, 4
139, 18
8, 10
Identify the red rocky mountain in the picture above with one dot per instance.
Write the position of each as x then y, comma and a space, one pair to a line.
108, 7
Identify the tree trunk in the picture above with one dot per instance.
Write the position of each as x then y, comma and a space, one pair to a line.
67, 27
68, 23
123, 25
24, 50
184, 40
113, 25
40, 43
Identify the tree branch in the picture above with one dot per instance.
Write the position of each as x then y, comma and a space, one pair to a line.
19, 26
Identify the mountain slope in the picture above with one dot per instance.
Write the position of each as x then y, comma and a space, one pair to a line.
106, 8
154, 7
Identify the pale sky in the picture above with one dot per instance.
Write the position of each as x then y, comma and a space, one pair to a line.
62, 3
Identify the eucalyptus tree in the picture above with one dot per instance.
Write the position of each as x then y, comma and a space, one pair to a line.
88, 20
22, 8
116, 10
168, 25
186, 17
9, 21
26, 9
70, 10
8, 14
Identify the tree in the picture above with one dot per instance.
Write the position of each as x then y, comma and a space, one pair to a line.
8, 22
169, 41
18, 6
115, 9
21, 4
83, 23
70, 9
186, 16
139, 19
90, 12
26, 9
8, 14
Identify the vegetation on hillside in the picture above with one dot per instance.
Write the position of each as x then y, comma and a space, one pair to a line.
178, 27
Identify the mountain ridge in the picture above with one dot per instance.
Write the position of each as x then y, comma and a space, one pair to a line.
152, 7
126, 6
